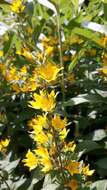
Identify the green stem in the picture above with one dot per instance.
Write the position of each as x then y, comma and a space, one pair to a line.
61, 57
60, 160
59, 154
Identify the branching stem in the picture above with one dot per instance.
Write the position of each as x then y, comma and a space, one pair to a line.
61, 55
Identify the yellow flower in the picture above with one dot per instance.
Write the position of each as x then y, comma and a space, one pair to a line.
63, 133
47, 165
17, 6
49, 50
26, 53
66, 58
59, 123
86, 170
30, 84
37, 123
104, 59
44, 159
3, 69
44, 101
4, 144
42, 138
41, 152
90, 52
70, 147
30, 30
12, 75
49, 71
15, 87
103, 41
31, 160
1, 53
53, 150
71, 77
23, 70
73, 184
73, 167
103, 70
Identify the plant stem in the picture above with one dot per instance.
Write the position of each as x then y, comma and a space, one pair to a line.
61, 56
58, 153
4, 181
60, 160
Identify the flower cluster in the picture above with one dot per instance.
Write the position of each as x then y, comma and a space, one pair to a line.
52, 152
28, 78
17, 6
4, 144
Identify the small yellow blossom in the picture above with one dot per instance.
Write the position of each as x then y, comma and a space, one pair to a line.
103, 70
104, 59
3, 69
17, 6
12, 75
59, 123
23, 70
47, 165
73, 167
45, 41
30, 30
69, 146
44, 101
15, 87
71, 77
26, 53
73, 184
103, 41
44, 159
49, 41
42, 138
37, 123
4, 144
1, 53
41, 152
49, 50
30, 84
39, 57
63, 133
52, 150
49, 71
66, 58
31, 160
86, 170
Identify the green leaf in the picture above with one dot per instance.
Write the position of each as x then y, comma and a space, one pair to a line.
102, 163
47, 4
75, 60
50, 187
88, 34
9, 43
99, 185
85, 98
75, 5
99, 134
88, 145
